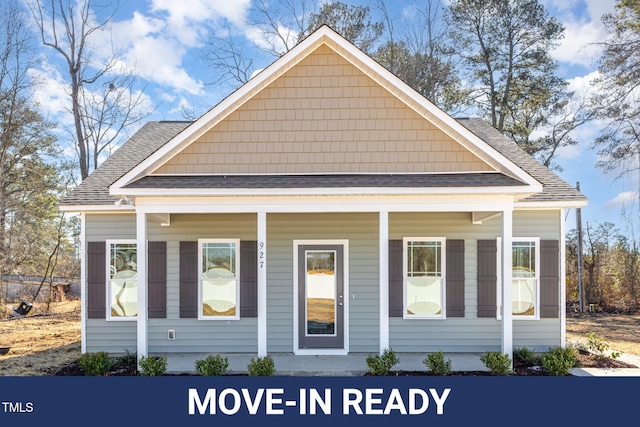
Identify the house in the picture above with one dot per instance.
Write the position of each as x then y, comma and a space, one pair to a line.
324, 208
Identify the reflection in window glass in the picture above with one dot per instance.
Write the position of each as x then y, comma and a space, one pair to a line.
219, 279
424, 278
524, 278
320, 288
123, 271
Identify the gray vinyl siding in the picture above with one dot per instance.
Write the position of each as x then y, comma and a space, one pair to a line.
361, 230
192, 335
470, 333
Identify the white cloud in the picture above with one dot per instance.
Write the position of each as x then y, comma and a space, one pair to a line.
621, 200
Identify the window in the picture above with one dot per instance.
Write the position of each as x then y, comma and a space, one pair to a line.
525, 267
424, 279
219, 282
122, 288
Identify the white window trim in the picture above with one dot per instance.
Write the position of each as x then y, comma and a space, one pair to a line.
443, 278
110, 242
536, 315
201, 315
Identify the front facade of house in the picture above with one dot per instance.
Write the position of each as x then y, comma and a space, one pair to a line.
323, 208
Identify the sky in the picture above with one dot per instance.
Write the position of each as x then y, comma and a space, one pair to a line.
165, 39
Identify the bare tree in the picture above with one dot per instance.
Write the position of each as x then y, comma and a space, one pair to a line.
101, 116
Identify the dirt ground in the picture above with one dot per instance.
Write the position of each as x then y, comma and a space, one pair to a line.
42, 343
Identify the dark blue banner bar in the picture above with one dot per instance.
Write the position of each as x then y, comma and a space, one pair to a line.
419, 401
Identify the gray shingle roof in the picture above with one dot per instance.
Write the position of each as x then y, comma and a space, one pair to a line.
95, 189
327, 181
554, 187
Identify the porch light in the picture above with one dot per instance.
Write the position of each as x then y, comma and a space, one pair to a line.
125, 200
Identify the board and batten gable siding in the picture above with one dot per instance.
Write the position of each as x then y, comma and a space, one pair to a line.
470, 333
323, 116
361, 230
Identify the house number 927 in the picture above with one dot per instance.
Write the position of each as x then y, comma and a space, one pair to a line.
261, 253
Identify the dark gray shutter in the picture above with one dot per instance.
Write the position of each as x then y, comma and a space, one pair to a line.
455, 278
96, 280
188, 279
248, 279
549, 279
157, 280
395, 278
487, 278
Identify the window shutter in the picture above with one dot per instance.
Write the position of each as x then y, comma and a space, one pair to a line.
96, 280
487, 278
549, 278
248, 279
188, 279
455, 278
157, 280
395, 278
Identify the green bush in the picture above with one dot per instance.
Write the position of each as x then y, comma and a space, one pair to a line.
153, 366
382, 364
128, 358
527, 356
96, 364
436, 363
262, 367
497, 362
599, 347
212, 366
558, 361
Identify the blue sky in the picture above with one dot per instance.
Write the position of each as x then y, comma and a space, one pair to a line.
164, 40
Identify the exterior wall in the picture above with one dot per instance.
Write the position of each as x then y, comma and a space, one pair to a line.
323, 116
192, 335
361, 230
113, 337
470, 333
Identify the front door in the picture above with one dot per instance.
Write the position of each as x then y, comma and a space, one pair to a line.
320, 296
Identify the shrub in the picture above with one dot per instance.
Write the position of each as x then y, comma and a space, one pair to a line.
153, 366
96, 364
212, 366
436, 363
558, 361
382, 364
599, 347
128, 358
497, 362
527, 356
262, 367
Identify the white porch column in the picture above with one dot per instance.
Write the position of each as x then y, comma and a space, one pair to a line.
262, 284
142, 318
384, 281
563, 281
507, 311
83, 283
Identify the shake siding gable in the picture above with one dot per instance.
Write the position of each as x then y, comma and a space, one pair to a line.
323, 116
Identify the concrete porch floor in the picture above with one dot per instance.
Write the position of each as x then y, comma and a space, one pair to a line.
350, 365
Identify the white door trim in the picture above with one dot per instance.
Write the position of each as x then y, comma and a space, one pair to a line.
345, 271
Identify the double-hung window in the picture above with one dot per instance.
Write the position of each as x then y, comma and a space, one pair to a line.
219, 279
424, 277
525, 278
122, 278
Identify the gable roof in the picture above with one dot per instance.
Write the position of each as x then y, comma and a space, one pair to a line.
94, 191
325, 36
128, 170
